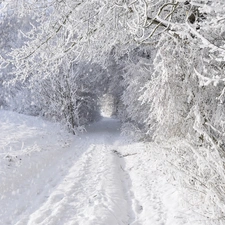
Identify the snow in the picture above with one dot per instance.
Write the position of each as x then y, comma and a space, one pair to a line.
50, 177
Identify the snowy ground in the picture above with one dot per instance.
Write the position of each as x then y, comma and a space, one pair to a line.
50, 177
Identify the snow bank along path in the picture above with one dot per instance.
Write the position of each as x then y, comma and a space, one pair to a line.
49, 177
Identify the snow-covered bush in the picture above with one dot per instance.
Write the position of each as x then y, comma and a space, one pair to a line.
199, 174
64, 97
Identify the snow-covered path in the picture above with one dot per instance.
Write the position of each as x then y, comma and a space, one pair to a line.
49, 177
76, 184
89, 193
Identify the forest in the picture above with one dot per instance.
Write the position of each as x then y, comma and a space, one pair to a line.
161, 62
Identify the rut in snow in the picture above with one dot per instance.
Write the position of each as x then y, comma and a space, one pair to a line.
133, 206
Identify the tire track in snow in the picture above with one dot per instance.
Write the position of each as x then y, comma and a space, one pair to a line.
134, 208
61, 202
